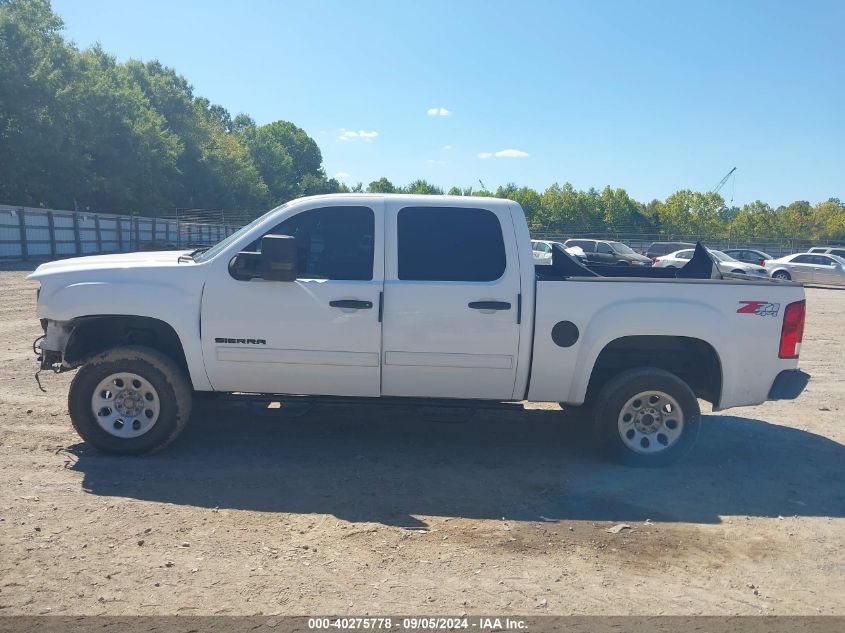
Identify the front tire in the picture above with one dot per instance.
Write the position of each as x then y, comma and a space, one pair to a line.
647, 417
130, 400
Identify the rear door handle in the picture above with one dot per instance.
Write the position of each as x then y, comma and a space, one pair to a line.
354, 304
489, 305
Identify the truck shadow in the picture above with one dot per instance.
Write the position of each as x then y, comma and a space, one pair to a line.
386, 465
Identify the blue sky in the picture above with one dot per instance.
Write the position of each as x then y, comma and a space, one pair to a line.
651, 96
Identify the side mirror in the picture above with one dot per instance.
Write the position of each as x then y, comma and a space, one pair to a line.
245, 265
279, 258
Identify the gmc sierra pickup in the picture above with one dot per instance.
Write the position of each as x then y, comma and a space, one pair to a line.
418, 298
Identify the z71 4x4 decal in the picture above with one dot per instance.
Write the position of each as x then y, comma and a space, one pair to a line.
760, 308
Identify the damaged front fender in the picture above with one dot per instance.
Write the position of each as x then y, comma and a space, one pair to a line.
51, 346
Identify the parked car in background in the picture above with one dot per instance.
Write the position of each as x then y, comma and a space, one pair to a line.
608, 252
664, 248
542, 251
839, 251
748, 255
808, 268
725, 263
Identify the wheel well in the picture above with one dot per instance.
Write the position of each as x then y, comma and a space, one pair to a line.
694, 361
94, 334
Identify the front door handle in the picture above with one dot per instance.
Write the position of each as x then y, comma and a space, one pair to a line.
489, 305
354, 304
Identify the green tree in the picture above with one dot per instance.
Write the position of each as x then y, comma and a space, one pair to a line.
423, 187
283, 154
382, 185
36, 65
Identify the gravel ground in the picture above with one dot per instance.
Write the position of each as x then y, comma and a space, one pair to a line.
378, 510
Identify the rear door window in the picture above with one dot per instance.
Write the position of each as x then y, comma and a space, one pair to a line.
588, 246
449, 244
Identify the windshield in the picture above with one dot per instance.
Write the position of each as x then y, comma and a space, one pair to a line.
222, 244
619, 247
722, 257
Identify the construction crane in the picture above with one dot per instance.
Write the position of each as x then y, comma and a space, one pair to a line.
722, 182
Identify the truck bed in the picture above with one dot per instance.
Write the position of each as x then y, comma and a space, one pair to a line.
700, 267
579, 313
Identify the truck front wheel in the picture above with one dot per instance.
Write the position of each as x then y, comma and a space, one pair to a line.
647, 417
129, 400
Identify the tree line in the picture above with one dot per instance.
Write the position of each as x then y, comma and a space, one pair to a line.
80, 130
77, 128
564, 209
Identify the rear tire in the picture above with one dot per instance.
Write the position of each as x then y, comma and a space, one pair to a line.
647, 417
130, 400
782, 274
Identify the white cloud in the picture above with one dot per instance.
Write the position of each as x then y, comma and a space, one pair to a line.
511, 153
504, 153
447, 147
342, 175
351, 135
438, 112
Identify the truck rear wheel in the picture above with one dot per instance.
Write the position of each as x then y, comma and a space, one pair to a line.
129, 400
647, 417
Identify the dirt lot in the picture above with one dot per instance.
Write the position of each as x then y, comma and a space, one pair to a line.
375, 510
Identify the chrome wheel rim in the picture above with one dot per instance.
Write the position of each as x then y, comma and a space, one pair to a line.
651, 422
125, 405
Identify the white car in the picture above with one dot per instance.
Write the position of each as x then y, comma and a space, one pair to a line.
814, 268
542, 251
374, 298
725, 263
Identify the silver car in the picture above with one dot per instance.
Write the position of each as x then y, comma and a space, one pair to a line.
725, 263
813, 268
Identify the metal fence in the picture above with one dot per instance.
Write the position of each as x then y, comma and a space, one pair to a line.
32, 233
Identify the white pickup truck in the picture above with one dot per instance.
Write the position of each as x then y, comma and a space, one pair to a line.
411, 298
